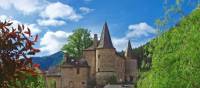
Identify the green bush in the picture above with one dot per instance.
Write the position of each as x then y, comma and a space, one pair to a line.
112, 79
29, 82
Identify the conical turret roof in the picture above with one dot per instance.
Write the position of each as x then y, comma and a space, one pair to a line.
129, 52
105, 40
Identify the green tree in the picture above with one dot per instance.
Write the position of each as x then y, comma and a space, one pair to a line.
77, 42
175, 56
174, 11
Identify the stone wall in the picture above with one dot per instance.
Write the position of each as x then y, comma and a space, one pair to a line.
105, 60
131, 69
109, 64
90, 56
74, 77
102, 77
120, 68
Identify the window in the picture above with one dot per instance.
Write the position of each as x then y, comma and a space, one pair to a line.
78, 70
125, 78
83, 82
131, 78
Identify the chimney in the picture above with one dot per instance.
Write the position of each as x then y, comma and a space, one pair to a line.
65, 58
95, 41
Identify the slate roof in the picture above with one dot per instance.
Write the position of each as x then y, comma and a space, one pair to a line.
53, 71
105, 40
73, 63
93, 47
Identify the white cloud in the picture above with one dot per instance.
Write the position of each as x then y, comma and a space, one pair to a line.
140, 30
5, 4
26, 6
33, 27
7, 18
60, 10
138, 34
50, 22
52, 42
3, 18
120, 43
85, 10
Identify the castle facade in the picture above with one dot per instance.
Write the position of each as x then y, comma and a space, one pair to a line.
99, 65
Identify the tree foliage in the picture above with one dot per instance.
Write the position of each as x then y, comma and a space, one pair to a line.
77, 42
174, 11
15, 46
175, 56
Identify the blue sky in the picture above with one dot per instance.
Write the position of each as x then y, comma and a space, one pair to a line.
55, 20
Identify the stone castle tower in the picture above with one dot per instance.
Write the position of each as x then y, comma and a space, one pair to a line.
100, 63
130, 64
106, 63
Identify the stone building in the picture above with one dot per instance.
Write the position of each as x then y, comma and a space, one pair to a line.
100, 63
73, 74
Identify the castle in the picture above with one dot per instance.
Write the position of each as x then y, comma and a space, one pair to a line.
99, 65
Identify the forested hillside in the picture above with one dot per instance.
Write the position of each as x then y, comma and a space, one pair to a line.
48, 61
175, 56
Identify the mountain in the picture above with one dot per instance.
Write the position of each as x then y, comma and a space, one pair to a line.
48, 61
